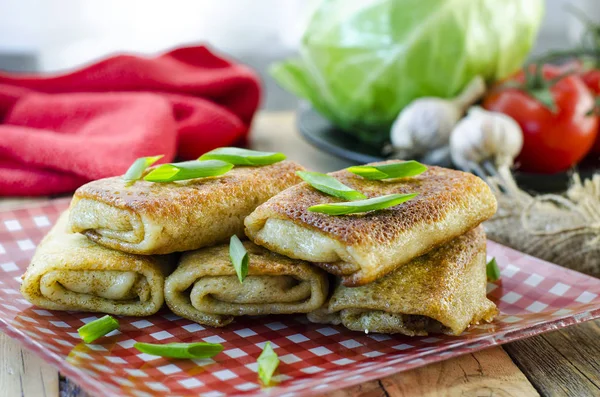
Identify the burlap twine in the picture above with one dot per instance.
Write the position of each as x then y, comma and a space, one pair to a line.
563, 229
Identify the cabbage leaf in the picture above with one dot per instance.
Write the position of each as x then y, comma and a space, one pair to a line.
362, 61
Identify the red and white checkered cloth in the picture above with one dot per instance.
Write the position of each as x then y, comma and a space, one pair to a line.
532, 295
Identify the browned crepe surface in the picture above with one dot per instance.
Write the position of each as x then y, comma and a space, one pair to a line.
70, 272
443, 291
205, 288
160, 218
363, 247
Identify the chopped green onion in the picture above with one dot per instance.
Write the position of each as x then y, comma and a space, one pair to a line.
329, 185
389, 171
97, 328
492, 270
239, 257
267, 363
188, 170
180, 350
136, 170
355, 207
239, 156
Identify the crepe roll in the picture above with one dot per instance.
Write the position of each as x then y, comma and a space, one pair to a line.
441, 292
205, 288
160, 218
70, 272
361, 248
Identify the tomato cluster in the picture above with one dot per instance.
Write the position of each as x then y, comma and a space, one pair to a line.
556, 111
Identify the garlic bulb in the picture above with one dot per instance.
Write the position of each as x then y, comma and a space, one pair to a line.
426, 123
484, 135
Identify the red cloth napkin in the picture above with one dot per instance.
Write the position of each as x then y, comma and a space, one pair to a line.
59, 132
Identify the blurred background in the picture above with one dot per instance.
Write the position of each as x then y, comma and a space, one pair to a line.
58, 35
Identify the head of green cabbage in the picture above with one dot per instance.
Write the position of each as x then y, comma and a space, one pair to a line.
362, 61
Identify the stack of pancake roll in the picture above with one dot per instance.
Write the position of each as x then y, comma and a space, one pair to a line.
390, 247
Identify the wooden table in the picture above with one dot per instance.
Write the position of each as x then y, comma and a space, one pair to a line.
559, 363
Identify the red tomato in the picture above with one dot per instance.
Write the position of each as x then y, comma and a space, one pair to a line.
552, 142
591, 78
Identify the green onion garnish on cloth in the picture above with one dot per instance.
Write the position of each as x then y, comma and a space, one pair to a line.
136, 170
492, 270
239, 257
355, 207
239, 156
188, 170
389, 171
329, 185
180, 350
267, 364
97, 328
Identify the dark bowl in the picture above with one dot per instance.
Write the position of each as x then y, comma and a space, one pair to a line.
325, 136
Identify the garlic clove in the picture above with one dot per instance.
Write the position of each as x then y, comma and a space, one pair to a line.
424, 124
484, 135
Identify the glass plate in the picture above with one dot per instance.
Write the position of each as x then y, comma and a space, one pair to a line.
533, 296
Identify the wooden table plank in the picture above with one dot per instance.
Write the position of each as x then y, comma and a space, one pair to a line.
562, 363
277, 132
24, 374
486, 373
68, 388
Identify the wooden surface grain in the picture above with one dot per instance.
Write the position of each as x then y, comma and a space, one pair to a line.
560, 363
486, 373
24, 374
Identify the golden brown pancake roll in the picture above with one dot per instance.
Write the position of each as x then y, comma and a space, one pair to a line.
205, 288
443, 291
70, 272
160, 218
364, 247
